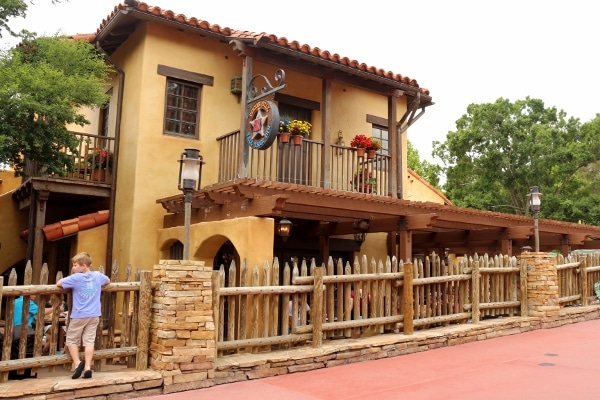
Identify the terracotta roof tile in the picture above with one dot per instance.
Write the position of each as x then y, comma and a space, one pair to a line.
264, 37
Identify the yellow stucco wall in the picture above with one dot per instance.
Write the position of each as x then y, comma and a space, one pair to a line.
251, 237
418, 190
13, 221
8, 181
93, 241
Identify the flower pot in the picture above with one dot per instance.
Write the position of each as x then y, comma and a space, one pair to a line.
99, 174
297, 139
360, 151
284, 137
370, 154
365, 188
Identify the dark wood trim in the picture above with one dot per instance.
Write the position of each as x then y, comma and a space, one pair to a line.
189, 76
373, 119
298, 102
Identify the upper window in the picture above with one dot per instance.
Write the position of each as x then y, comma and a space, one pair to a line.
182, 107
294, 112
381, 133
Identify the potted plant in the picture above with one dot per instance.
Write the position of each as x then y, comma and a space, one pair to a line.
100, 160
360, 143
374, 145
299, 129
284, 130
364, 182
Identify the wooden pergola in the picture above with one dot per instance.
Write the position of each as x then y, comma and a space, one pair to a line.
416, 227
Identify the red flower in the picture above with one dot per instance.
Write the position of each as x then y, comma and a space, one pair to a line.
360, 141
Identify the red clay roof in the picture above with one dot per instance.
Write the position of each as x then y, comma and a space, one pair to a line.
263, 37
68, 227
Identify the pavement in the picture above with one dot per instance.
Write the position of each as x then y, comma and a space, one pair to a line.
558, 363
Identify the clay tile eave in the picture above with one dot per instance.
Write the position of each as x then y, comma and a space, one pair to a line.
261, 37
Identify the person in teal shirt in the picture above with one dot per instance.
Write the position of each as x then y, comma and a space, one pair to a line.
18, 316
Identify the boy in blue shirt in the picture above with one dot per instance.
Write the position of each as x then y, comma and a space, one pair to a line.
86, 311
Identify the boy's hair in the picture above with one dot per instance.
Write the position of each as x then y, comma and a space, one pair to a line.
82, 258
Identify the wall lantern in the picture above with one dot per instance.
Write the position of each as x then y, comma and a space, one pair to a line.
284, 228
360, 237
362, 226
190, 173
236, 85
535, 202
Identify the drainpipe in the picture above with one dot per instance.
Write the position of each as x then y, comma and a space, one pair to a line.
113, 190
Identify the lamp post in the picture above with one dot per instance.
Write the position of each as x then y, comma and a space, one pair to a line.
535, 201
190, 172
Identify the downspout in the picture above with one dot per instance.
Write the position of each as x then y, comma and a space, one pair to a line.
113, 187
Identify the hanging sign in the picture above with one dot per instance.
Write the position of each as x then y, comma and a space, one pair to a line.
263, 125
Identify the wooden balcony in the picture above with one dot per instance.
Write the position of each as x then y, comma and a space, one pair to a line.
304, 165
87, 178
85, 166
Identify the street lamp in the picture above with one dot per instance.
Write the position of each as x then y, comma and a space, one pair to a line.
190, 172
535, 201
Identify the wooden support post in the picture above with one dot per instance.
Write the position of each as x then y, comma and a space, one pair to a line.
408, 299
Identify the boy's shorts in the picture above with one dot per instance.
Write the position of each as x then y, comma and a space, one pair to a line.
82, 331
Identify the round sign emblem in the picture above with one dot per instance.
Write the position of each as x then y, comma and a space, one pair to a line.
263, 125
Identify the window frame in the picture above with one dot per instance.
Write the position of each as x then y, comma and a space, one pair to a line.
180, 110
188, 78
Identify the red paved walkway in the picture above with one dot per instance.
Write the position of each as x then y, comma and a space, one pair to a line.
559, 363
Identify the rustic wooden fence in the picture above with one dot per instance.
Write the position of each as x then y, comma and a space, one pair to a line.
577, 274
259, 311
121, 338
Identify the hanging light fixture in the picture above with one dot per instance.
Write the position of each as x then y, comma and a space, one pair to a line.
362, 226
284, 228
360, 237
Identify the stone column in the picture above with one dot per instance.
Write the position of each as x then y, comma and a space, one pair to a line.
542, 285
182, 329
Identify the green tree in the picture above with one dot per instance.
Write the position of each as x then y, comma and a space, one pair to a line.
44, 84
501, 149
428, 171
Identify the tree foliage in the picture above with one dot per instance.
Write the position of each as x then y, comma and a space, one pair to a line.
501, 149
44, 83
428, 171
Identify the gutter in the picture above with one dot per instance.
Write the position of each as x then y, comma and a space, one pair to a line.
113, 188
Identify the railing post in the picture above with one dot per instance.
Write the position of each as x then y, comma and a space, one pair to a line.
144, 307
475, 287
408, 299
316, 317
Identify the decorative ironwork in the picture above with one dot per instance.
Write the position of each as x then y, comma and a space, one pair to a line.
253, 92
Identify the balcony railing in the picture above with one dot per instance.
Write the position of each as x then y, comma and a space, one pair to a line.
86, 166
303, 165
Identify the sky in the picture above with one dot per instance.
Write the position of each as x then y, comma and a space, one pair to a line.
463, 51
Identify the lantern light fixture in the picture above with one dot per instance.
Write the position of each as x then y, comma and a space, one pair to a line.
284, 228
